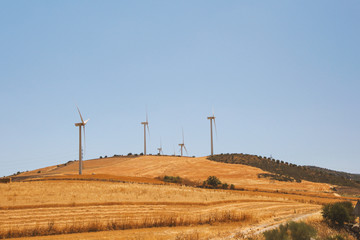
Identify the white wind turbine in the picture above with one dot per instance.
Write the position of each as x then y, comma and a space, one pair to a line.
146, 125
182, 145
81, 124
211, 118
160, 148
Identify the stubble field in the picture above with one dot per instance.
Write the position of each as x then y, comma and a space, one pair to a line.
54, 201
71, 206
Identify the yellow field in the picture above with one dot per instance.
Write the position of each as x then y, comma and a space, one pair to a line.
55, 201
65, 204
196, 169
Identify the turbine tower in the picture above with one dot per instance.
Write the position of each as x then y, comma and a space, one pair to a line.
182, 145
160, 149
81, 124
146, 125
211, 132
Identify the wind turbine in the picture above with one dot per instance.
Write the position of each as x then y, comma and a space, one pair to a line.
146, 125
211, 118
81, 124
160, 149
182, 145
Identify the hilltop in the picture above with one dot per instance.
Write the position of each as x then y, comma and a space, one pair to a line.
194, 169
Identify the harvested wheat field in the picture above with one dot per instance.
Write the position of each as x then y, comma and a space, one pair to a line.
196, 169
72, 206
121, 196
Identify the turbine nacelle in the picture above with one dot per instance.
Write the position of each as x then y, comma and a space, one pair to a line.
82, 123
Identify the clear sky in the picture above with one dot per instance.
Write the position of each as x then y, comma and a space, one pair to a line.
281, 76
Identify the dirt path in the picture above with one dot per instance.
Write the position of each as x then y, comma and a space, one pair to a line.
263, 227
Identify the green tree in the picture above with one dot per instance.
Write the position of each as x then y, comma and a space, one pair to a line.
338, 213
213, 181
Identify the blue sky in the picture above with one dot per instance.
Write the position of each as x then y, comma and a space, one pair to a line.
281, 76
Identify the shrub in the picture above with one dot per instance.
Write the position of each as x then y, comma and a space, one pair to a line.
301, 231
224, 186
291, 231
232, 187
338, 213
213, 181
179, 180
172, 179
277, 234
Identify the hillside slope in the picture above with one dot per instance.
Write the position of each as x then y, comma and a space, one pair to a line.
293, 171
196, 169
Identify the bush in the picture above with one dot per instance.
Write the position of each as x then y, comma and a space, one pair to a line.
301, 231
172, 179
297, 231
277, 234
224, 186
232, 187
213, 181
338, 213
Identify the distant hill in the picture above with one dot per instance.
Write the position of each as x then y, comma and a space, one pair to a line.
350, 176
292, 171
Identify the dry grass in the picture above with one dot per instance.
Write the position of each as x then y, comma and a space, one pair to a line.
74, 192
147, 222
27, 208
195, 169
81, 204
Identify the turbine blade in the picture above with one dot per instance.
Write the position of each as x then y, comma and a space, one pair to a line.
186, 150
86, 121
147, 126
215, 128
183, 135
80, 114
84, 141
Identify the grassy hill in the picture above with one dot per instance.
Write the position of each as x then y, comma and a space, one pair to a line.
195, 169
288, 171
